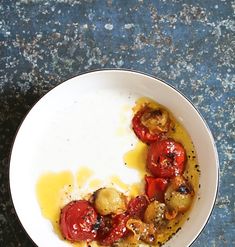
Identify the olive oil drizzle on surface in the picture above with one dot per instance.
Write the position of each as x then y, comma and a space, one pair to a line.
136, 159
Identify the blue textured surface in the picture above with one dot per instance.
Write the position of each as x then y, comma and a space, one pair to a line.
190, 44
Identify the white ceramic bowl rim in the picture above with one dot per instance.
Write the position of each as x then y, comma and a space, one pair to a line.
143, 74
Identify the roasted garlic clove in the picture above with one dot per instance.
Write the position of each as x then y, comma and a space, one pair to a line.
179, 195
109, 201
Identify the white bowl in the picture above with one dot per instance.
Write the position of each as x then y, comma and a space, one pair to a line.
53, 137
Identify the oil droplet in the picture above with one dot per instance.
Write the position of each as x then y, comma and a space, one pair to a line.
145, 101
136, 189
80, 244
117, 181
84, 244
136, 158
83, 175
95, 184
52, 189
132, 190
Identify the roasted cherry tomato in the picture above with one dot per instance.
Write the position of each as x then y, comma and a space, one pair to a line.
150, 124
136, 207
166, 158
105, 226
155, 188
117, 231
78, 220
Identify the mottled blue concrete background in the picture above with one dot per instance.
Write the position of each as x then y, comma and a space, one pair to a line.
190, 44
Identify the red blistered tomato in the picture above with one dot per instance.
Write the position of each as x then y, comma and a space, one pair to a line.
77, 221
136, 207
150, 124
118, 230
155, 188
166, 158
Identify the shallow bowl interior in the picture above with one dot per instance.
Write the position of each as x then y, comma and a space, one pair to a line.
54, 133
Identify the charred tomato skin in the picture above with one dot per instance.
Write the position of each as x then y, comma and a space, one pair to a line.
166, 158
117, 231
155, 188
136, 207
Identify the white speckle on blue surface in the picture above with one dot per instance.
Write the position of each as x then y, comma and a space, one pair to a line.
142, 60
129, 26
39, 35
120, 63
190, 68
108, 26
85, 26
91, 15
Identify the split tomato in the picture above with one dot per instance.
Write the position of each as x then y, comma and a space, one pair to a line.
150, 124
